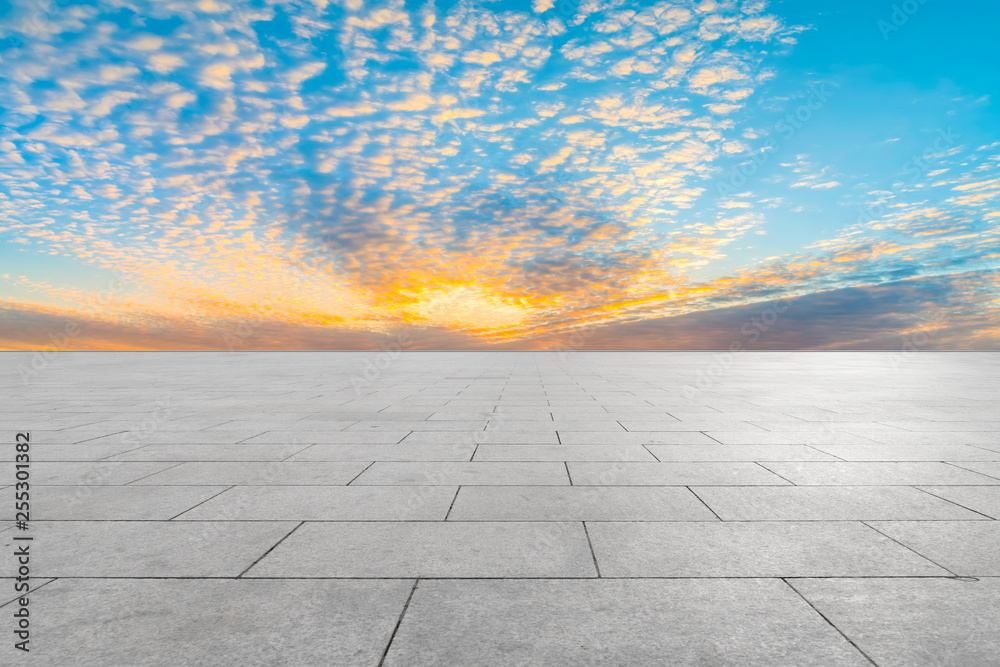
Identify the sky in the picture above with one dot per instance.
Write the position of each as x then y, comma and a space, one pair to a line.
477, 174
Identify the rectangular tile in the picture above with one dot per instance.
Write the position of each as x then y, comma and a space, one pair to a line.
966, 548
910, 452
498, 437
615, 622
563, 453
986, 438
265, 473
149, 548
578, 503
670, 474
237, 622
401, 452
738, 453
657, 438
459, 473
787, 438
116, 503
87, 473
326, 503
640, 425
431, 549
328, 437
760, 549
983, 499
178, 437
912, 622
209, 453
829, 503
875, 473
422, 425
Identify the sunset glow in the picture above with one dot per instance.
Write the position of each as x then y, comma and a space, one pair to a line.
492, 174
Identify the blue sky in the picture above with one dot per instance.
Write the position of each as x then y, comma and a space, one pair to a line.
497, 174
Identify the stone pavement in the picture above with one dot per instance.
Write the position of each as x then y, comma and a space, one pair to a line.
480, 508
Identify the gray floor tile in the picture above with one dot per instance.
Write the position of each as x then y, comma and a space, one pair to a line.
88, 474
759, 549
279, 437
967, 548
829, 503
164, 622
910, 452
912, 622
615, 623
786, 438
431, 549
245, 473
931, 426
876, 473
578, 503
278, 425
984, 499
563, 453
106, 503
644, 438
495, 437
418, 425
682, 473
640, 425
986, 438
326, 503
990, 468
562, 425
738, 453
401, 452
179, 437
458, 473
82, 452
149, 548
219, 452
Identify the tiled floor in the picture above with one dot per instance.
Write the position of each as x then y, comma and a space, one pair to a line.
508, 508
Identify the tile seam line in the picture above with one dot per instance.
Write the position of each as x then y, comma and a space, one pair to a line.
905, 546
593, 554
920, 488
702, 500
960, 467
179, 463
399, 622
360, 473
829, 622
273, 547
214, 495
778, 474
